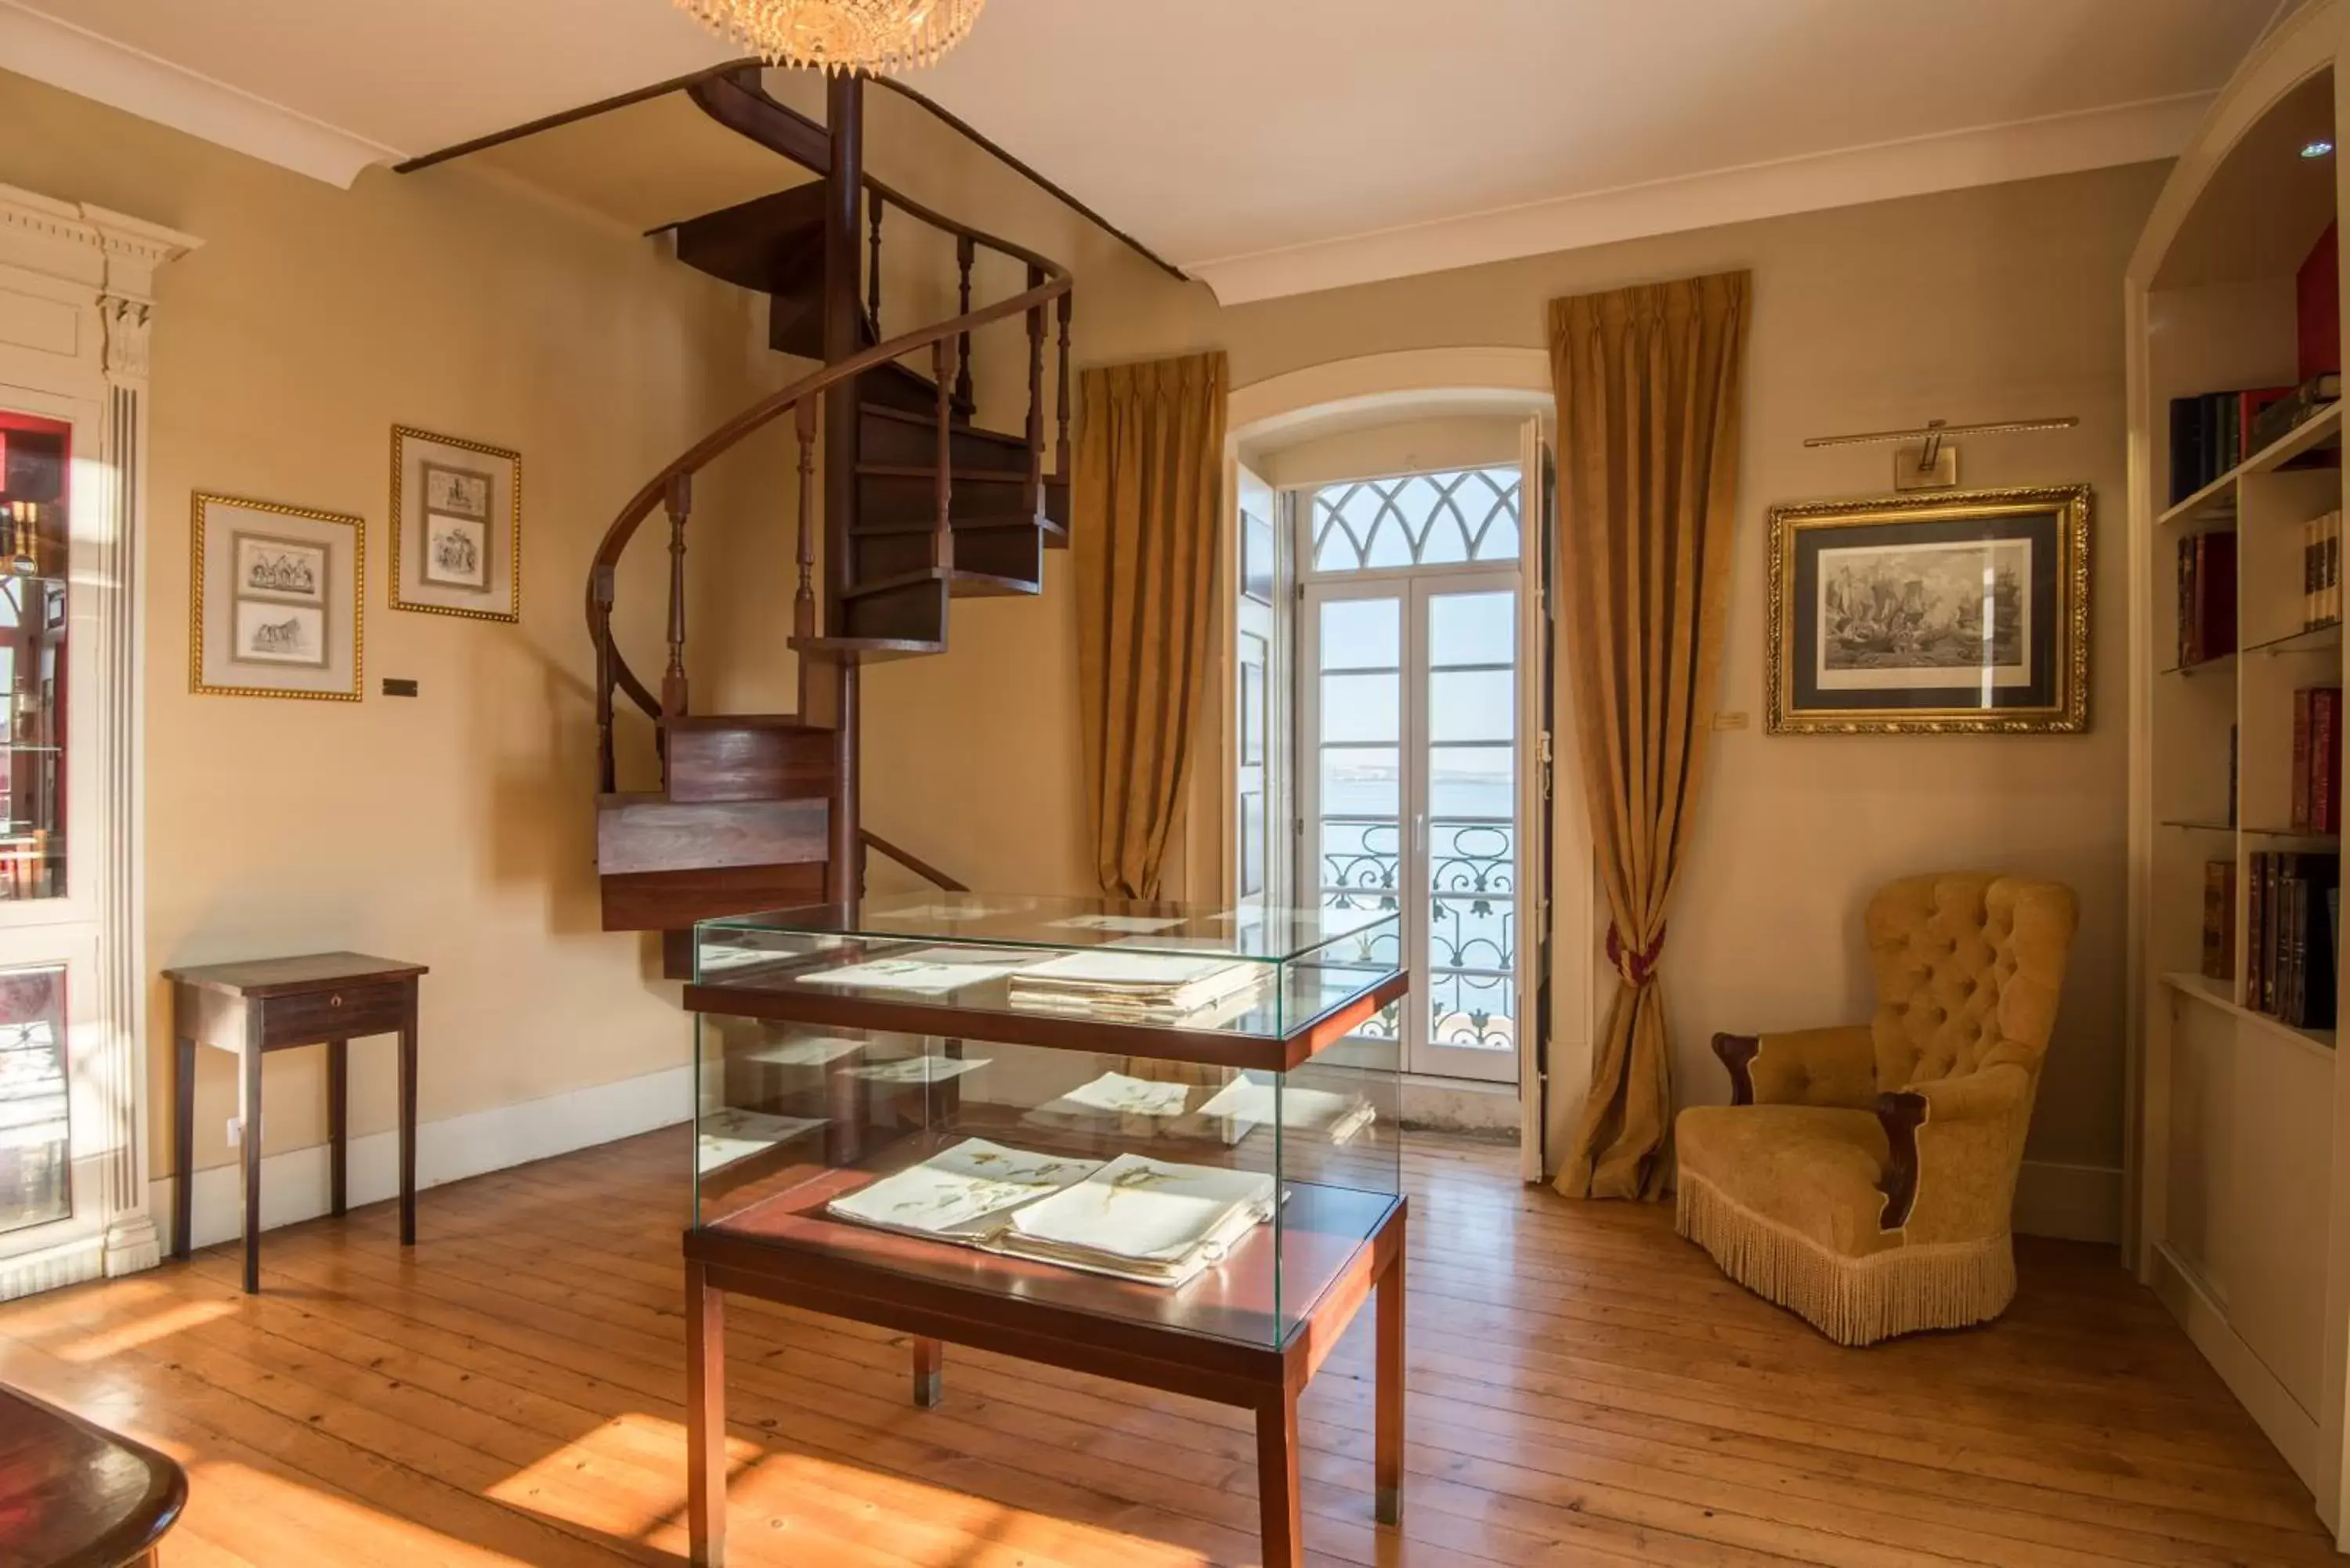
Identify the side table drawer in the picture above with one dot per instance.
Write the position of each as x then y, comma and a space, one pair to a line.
307, 1017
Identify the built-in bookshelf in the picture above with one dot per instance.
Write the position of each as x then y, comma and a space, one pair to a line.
2236, 754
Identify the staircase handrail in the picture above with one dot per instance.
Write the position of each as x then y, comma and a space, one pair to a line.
869, 839
617, 672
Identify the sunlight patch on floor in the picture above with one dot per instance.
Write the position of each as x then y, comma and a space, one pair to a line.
143, 1331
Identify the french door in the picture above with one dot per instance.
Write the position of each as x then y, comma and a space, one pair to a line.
1410, 792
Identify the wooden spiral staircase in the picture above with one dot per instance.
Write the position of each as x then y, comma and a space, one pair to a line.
917, 506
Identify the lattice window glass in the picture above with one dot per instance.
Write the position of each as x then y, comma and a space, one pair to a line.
1461, 517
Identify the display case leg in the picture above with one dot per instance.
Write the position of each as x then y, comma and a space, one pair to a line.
929, 1373
1388, 1443
1284, 1545
705, 1418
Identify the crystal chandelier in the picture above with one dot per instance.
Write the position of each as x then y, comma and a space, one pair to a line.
841, 34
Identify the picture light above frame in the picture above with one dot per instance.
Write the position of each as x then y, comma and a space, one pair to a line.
1924, 457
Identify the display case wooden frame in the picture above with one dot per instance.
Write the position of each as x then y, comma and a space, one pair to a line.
995, 1303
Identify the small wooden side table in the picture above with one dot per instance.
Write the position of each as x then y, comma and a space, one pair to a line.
274, 1004
75, 1495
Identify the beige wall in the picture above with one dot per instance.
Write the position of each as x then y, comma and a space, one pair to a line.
1972, 304
455, 829
1980, 303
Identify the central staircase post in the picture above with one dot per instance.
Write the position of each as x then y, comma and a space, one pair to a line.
844, 186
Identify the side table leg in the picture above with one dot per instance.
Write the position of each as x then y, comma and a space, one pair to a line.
248, 1110
929, 1373
184, 1145
705, 1418
1389, 1421
1283, 1544
407, 1123
339, 1124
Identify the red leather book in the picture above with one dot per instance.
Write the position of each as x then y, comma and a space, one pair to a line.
2214, 602
2256, 930
2301, 701
2317, 306
2325, 760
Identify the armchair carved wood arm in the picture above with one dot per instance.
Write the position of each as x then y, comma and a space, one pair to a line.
1863, 1175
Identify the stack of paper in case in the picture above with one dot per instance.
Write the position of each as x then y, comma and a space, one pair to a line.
961, 1194
1128, 987
1248, 1102
1141, 1219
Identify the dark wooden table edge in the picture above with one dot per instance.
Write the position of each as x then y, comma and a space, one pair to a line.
157, 1510
1055, 1032
1265, 1380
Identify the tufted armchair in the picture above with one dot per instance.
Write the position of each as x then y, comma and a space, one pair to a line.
1862, 1177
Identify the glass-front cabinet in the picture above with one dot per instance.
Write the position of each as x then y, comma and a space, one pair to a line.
1138, 1111
76, 313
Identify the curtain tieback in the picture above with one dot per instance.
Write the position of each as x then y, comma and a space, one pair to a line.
1635, 967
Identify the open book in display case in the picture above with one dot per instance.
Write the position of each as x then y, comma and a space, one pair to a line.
1143, 1140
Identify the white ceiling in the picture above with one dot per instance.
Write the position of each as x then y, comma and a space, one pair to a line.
1273, 145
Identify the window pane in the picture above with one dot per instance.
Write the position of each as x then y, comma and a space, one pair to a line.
1360, 854
1472, 1012
1449, 518
1470, 705
1361, 781
1472, 628
1470, 781
35, 458
35, 1167
1362, 708
1362, 634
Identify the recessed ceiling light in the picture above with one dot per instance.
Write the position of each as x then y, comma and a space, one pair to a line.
2318, 148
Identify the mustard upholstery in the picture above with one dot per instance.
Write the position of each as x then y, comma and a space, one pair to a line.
1865, 1176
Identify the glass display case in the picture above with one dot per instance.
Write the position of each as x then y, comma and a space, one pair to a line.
1140, 1140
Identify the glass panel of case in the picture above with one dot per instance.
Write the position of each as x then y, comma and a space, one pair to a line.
35, 457
1110, 1172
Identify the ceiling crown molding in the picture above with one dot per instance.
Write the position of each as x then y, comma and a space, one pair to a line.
1987, 155
64, 56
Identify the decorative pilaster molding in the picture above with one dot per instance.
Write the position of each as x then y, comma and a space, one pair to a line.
128, 323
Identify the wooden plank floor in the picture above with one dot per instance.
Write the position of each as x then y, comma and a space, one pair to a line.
1585, 1389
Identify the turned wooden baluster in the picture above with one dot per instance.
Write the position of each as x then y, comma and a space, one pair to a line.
1061, 452
873, 268
1036, 486
804, 601
966, 252
679, 501
602, 590
943, 536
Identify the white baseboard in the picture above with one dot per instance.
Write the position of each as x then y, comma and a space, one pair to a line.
1460, 1104
2291, 1428
295, 1182
2072, 1202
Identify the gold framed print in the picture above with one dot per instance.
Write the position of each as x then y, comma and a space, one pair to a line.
276, 597
1960, 613
456, 527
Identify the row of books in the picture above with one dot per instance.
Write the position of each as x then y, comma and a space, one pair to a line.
1131, 1218
2292, 910
2212, 432
2320, 571
2206, 596
2317, 759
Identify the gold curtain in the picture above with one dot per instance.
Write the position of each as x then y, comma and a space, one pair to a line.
1150, 464
1648, 387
